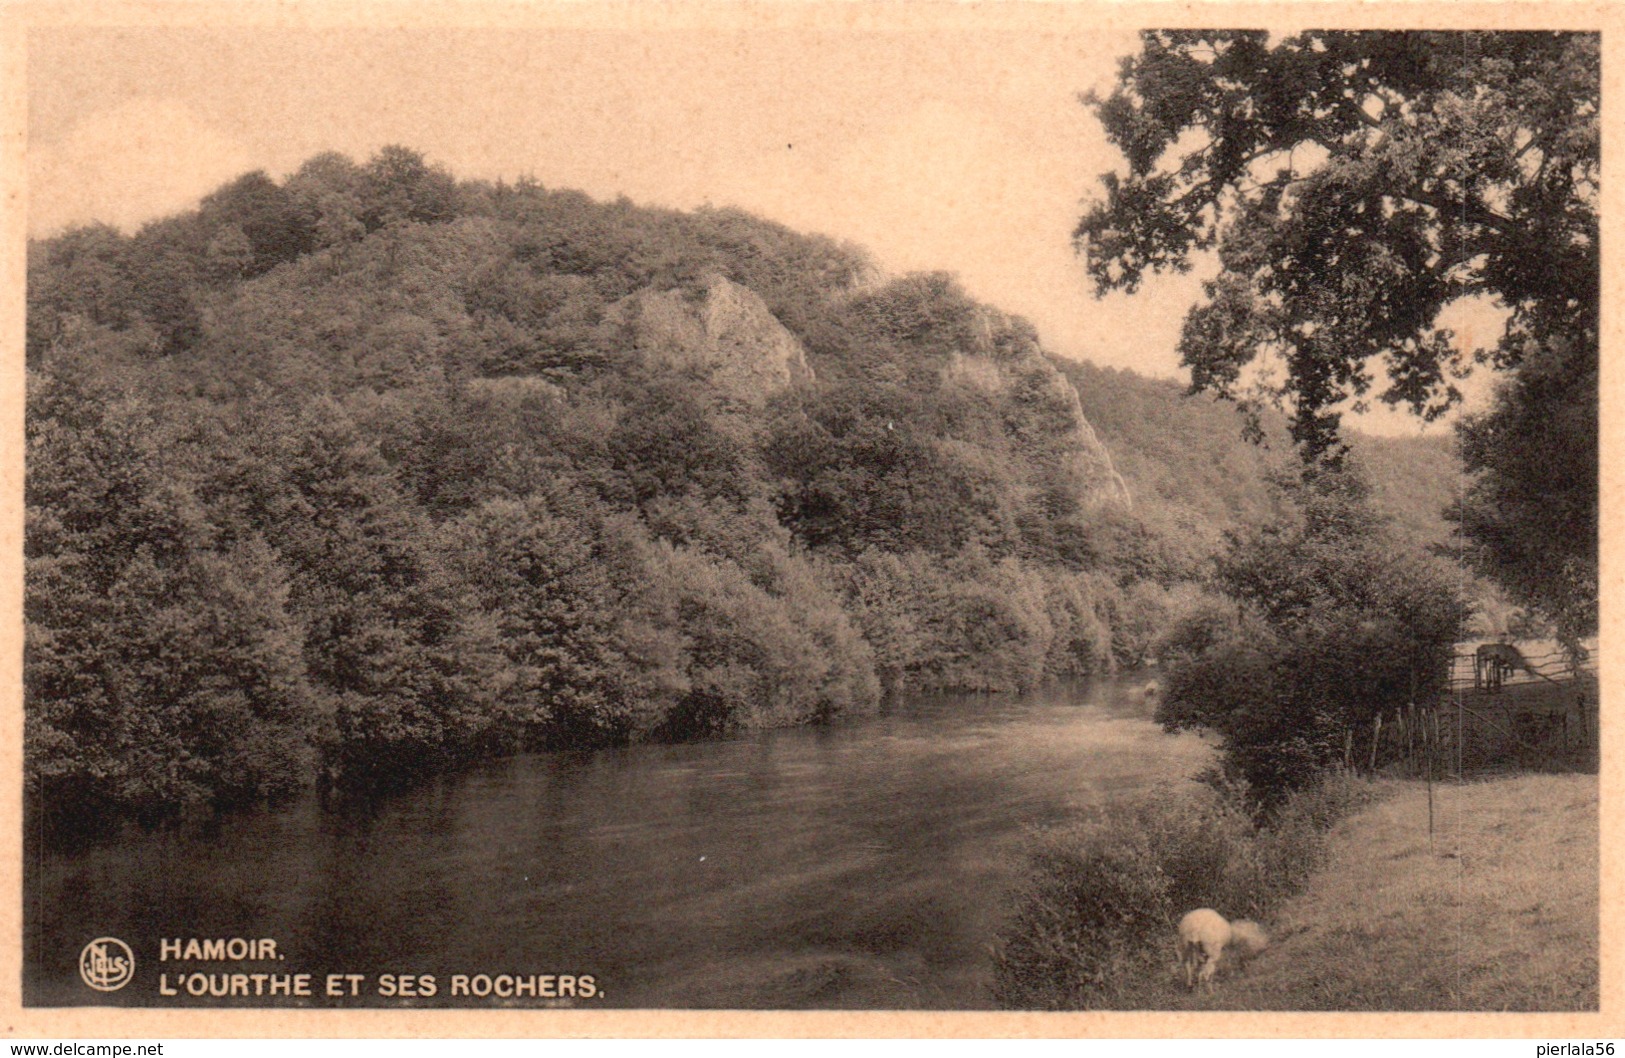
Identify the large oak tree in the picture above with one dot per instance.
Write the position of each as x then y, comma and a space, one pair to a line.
1352, 185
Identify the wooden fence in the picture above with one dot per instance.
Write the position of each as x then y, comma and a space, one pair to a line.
1542, 717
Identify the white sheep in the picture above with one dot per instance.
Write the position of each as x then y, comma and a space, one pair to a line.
1203, 936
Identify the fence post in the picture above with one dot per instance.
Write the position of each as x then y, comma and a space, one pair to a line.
1430, 803
1461, 736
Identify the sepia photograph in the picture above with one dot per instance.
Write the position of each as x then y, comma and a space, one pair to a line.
915, 508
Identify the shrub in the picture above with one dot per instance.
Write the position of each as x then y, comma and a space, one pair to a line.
1094, 899
1097, 909
1333, 624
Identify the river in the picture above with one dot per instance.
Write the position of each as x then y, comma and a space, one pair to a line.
860, 865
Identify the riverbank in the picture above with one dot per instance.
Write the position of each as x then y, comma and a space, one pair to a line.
1498, 912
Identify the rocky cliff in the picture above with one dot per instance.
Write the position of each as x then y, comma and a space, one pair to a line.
1004, 358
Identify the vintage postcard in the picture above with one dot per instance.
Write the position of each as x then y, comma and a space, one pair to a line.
840, 519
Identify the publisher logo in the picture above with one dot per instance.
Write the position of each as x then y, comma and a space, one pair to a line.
107, 964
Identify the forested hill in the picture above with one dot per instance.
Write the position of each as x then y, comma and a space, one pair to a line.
1192, 477
355, 475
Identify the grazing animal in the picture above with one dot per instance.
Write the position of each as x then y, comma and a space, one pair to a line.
1203, 937
1494, 662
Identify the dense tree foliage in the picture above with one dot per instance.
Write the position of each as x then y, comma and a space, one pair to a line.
164, 661
1332, 623
368, 472
1354, 184
1530, 517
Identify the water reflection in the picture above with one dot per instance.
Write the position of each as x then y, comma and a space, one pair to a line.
859, 865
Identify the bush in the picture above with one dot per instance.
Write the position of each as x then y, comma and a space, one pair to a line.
1097, 911
1094, 901
1332, 624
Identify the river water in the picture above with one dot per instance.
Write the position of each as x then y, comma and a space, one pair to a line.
860, 865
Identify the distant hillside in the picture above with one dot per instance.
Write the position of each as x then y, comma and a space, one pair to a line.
1414, 479
1184, 459
1189, 470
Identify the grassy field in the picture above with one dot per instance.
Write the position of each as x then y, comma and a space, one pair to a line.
1499, 911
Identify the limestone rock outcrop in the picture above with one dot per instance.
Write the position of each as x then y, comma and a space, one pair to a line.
726, 332
1006, 359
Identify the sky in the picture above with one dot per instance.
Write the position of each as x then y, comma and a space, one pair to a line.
960, 145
